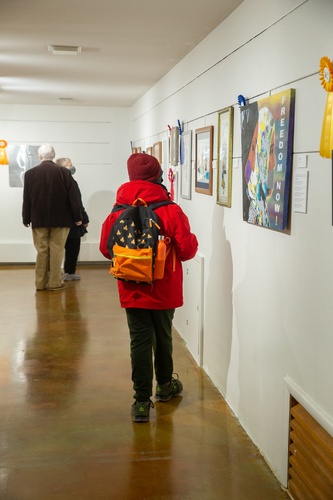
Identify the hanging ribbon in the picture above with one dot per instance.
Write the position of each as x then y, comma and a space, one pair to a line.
326, 78
3, 154
171, 180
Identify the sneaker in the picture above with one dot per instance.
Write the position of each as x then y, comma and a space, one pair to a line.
140, 410
167, 391
71, 277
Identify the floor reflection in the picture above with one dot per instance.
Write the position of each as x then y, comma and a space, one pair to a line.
153, 453
52, 356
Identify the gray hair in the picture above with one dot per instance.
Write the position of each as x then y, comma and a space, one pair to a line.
46, 152
62, 161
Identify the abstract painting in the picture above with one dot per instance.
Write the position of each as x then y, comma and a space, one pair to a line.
267, 146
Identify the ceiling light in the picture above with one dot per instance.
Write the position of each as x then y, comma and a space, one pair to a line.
64, 50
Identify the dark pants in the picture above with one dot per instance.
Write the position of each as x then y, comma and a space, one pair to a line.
150, 333
72, 250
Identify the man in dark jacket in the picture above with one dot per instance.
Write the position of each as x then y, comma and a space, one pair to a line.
150, 308
50, 205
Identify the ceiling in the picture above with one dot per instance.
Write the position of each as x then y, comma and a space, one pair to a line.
127, 46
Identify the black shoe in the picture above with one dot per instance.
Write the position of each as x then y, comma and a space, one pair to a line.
167, 391
140, 410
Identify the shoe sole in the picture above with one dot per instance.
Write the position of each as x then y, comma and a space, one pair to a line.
163, 399
140, 419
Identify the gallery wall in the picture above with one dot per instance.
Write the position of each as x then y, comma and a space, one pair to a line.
98, 142
267, 316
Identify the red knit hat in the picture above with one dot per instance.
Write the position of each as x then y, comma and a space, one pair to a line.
143, 167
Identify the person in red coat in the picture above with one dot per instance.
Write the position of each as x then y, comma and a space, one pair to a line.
150, 308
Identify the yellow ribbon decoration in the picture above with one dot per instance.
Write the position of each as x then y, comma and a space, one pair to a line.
326, 78
3, 154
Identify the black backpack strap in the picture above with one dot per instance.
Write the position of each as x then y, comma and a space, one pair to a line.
154, 206
118, 207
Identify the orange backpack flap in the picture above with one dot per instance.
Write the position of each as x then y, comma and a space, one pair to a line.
132, 264
132, 242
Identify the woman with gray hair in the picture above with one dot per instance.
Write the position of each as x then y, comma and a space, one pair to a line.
73, 242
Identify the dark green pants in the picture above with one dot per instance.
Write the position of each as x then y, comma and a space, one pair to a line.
151, 335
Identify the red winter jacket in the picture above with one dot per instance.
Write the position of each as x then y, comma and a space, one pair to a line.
166, 293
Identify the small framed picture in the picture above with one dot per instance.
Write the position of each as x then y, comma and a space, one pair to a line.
203, 160
157, 150
224, 156
186, 164
174, 146
149, 151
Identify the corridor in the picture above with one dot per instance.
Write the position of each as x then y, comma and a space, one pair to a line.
66, 432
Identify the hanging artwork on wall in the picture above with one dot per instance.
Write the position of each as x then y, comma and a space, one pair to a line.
174, 146
3, 153
332, 183
186, 165
157, 150
203, 160
267, 145
20, 159
224, 156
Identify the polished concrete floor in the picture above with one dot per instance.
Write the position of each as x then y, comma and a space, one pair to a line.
65, 428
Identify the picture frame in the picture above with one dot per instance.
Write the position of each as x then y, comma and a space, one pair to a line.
203, 160
267, 137
157, 150
186, 165
149, 151
224, 156
174, 146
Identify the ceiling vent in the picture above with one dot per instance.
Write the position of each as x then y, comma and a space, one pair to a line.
64, 50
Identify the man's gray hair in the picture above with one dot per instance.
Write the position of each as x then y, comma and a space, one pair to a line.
46, 152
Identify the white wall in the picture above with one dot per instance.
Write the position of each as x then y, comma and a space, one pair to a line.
267, 314
98, 142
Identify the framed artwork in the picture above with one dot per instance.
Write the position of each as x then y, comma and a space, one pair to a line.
157, 150
186, 164
267, 132
174, 146
149, 151
20, 159
224, 156
203, 160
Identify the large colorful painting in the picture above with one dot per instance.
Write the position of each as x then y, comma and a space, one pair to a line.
267, 143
